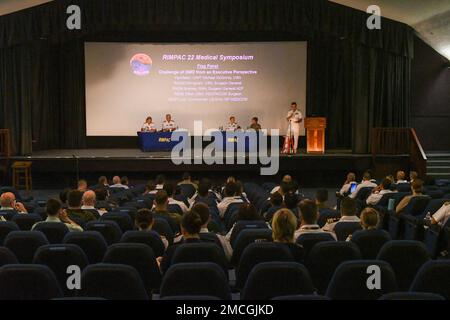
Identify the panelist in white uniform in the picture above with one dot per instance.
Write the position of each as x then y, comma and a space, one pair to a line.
149, 125
232, 125
168, 124
294, 117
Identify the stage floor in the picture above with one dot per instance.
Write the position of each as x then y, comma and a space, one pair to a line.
138, 154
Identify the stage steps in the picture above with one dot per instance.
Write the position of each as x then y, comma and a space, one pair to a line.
438, 165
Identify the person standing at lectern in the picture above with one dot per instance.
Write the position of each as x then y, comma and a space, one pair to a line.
294, 117
149, 125
168, 124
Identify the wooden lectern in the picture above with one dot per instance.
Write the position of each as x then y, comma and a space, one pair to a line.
315, 135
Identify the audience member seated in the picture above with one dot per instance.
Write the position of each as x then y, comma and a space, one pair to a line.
55, 213
168, 187
366, 183
150, 188
401, 177
284, 224
348, 214
74, 211
8, 203
416, 188
103, 204
82, 185
144, 221
187, 179
230, 191
287, 179
190, 226
63, 197
442, 215
88, 203
308, 219
291, 202
276, 203
240, 191
160, 210
247, 212
125, 182
351, 179
370, 218
160, 181
117, 184
203, 211
204, 194
102, 182
413, 176
377, 193
326, 214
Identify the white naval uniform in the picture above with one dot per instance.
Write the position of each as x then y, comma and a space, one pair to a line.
169, 125
148, 127
231, 126
294, 128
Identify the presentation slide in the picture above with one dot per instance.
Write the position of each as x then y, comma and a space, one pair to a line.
127, 82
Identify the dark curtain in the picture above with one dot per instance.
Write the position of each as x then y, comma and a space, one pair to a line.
357, 78
357, 88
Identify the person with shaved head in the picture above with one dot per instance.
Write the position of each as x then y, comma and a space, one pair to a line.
8, 203
88, 203
117, 183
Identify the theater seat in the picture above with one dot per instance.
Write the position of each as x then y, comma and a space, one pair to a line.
271, 279
26, 221
308, 240
25, 243
91, 242
28, 282
200, 252
149, 238
245, 225
433, 277
203, 278
325, 257
344, 229
5, 228
7, 257
54, 232
247, 237
58, 257
112, 282
140, 257
370, 242
349, 281
123, 220
257, 253
405, 257
411, 296
305, 297
109, 229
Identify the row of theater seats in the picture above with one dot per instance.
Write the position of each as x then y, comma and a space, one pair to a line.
405, 265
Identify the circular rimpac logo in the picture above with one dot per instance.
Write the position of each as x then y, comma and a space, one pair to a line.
141, 64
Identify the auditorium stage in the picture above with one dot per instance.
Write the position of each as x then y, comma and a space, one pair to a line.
327, 169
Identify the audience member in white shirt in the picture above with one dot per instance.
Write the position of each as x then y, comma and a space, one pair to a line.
8, 202
366, 183
308, 219
117, 183
442, 215
351, 179
168, 187
88, 202
401, 177
370, 218
348, 214
378, 192
230, 197
286, 179
160, 180
56, 214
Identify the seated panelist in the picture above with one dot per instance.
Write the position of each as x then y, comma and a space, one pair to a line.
168, 124
254, 124
149, 125
232, 125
